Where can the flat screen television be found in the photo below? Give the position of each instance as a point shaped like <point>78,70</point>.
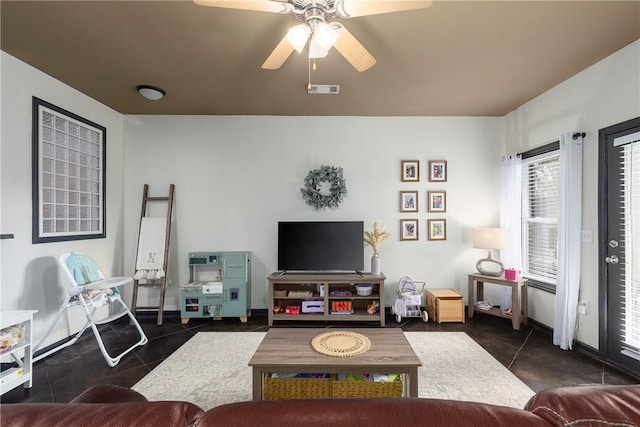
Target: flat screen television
<point>321,246</point>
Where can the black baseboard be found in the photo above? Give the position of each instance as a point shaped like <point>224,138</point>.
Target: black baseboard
<point>584,348</point>
<point>587,350</point>
<point>255,312</point>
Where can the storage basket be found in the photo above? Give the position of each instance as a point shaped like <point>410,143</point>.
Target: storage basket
<point>366,389</point>
<point>297,388</point>
<point>300,294</point>
<point>364,290</point>
<point>11,337</point>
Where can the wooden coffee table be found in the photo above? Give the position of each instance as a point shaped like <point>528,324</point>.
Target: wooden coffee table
<point>290,350</point>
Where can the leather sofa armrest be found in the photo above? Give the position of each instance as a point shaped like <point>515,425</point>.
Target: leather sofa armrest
<point>606,404</point>
<point>109,394</point>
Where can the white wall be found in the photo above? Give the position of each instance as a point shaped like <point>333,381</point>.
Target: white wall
<point>28,274</point>
<point>236,177</point>
<point>603,95</point>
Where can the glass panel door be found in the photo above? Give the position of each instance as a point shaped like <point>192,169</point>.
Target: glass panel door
<point>620,245</point>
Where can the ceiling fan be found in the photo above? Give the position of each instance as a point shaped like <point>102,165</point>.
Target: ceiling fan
<point>317,26</point>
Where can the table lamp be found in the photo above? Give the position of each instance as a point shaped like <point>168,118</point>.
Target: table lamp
<point>489,238</point>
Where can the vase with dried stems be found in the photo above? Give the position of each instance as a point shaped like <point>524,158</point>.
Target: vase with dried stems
<point>375,238</point>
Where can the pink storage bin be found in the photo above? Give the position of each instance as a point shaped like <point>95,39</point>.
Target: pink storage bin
<point>511,274</point>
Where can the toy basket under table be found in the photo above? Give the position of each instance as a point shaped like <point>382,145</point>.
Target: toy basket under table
<point>367,389</point>
<point>297,388</point>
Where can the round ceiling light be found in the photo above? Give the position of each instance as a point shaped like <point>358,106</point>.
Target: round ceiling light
<point>151,92</point>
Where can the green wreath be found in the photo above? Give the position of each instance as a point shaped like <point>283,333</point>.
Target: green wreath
<point>311,193</point>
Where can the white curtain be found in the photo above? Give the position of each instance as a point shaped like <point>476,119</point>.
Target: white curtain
<point>569,243</point>
<point>511,218</point>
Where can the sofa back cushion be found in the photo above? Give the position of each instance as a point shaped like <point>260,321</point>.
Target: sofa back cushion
<point>365,412</point>
<point>130,414</point>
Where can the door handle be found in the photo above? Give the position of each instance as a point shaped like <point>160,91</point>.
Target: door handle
<point>613,259</point>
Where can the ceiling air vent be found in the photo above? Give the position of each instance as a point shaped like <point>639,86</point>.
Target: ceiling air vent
<point>323,89</point>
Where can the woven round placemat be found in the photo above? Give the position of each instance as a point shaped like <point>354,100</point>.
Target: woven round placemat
<point>340,343</point>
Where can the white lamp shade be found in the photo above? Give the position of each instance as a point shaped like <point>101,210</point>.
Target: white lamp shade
<point>489,238</point>
<point>298,36</point>
<point>324,35</point>
<point>316,50</point>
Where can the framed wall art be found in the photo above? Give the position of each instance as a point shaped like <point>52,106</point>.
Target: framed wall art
<point>408,201</point>
<point>437,201</point>
<point>437,170</point>
<point>68,175</point>
<point>410,170</point>
<point>408,229</point>
<point>437,229</point>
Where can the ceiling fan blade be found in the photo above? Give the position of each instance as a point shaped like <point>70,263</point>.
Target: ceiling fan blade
<point>279,55</point>
<point>353,8</point>
<point>351,49</point>
<point>275,6</point>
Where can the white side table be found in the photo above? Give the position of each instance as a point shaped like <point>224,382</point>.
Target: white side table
<point>22,374</point>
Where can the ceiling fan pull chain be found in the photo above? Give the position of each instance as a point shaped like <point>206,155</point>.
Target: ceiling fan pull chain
<point>309,69</point>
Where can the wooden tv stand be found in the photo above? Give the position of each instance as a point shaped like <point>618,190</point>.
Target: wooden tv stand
<point>291,289</point>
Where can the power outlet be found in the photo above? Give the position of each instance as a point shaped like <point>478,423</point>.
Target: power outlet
<point>583,307</point>
<point>587,236</point>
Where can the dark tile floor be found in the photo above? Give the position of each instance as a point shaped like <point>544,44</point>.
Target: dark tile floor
<point>528,353</point>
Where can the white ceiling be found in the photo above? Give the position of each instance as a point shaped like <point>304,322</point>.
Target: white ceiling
<point>456,58</point>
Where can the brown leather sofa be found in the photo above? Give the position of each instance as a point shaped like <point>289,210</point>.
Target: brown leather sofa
<point>117,406</point>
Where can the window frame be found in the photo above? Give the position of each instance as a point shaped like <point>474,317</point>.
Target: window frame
<point>548,149</point>
<point>75,168</point>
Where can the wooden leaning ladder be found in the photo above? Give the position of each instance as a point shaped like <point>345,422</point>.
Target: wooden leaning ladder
<point>158,283</point>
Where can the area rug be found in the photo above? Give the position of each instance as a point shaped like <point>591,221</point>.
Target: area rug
<point>455,367</point>
<point>211,369</point>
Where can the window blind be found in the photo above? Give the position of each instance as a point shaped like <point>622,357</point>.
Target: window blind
<point>630,289</point>
<point>541,192</point>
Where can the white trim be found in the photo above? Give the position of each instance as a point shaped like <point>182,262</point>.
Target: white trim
<point>623,140</point>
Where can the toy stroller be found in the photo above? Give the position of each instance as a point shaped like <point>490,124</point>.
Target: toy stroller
<point>409,299</point>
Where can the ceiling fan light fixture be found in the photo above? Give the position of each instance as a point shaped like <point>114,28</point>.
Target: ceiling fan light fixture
<point>151,93</point>
<point>316,50</point>
<point>298,36</point>
<point>324,35</point>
